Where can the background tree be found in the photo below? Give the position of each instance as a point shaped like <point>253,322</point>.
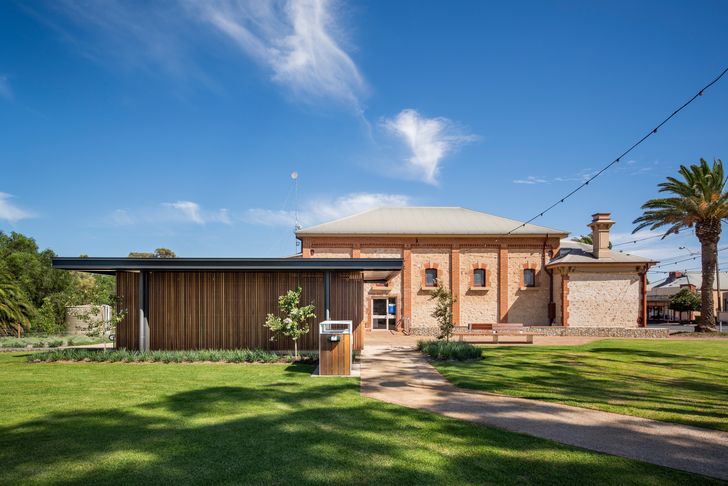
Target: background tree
<point>685,301</point>
<point>698,200</point>
<point>15,309</point>
<point>294,320</point>
<point>158,253</point>
<point>587,239</point>
<point>48,291</point>
<point>443,311</point>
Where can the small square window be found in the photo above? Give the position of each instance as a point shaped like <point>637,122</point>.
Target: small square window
<point>431,277</point>
<point>529,277</point>
<point>479,277</point>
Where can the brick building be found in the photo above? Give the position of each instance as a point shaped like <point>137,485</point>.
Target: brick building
<point>499,270</point>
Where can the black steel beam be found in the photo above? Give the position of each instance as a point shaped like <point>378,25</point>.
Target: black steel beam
<point>112,264</point>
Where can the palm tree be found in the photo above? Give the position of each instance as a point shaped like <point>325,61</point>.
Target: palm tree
<point>700,201</point>
<point>15,309</point>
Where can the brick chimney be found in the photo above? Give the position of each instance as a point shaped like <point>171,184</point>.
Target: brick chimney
<point>601,222</point>
<point>672,276</point>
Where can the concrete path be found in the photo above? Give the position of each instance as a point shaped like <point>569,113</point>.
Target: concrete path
<point>402,376</point>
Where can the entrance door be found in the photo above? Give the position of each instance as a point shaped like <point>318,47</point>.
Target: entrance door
<point>384,313</point>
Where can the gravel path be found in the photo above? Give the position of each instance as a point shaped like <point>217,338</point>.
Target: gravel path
<point>402,376</point>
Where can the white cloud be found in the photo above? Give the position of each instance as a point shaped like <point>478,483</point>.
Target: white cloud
<point>296,39</point>
<point>188,209</point>
<point>182,212</point>
<point>429,140</point>
<point>531,180</point>
<point>11,212</point>
<point>5,90</point>
<point>326,209</point>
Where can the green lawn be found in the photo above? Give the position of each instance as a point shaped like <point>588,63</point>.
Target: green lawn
<point>672,380</point>
<point>98,423</point>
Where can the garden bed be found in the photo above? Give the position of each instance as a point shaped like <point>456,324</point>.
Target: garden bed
<point>193,356</point>
<point>450,350</point>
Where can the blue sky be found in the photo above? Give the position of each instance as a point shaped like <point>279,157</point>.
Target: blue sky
<point>128,126</point>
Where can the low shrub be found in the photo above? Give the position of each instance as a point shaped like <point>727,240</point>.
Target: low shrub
<point>15,343</point>
<point>126,356</point>
<point>449,350</point>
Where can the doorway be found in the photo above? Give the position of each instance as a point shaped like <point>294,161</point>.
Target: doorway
<point>384,313</point>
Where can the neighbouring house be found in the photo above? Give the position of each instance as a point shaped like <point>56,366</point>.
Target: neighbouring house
<point>499,270</point>
<point>661,292</point>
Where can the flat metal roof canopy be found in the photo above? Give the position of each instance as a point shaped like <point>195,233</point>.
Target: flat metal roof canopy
<point>123,264</point>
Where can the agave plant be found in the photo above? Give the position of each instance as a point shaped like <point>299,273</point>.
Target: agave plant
<point>698,200</point>
<point>15,309</point>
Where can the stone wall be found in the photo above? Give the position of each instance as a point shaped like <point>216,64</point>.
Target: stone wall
<point>527,305</point>
<point>477,304</point>
<point>614,332</point>
<point>422,258</point>
<point>597,299</point>
<point>604,299</point>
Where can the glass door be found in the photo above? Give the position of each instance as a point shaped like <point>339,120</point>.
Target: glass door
<point>384,313</point>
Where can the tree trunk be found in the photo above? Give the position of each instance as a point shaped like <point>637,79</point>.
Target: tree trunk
<point>708,234</point>
<point>295,350</point>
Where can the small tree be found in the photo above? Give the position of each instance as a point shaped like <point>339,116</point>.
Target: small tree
<point>294,322</point>
<point>685,301</point>
<point>443,311</point>
<point>98,327</point>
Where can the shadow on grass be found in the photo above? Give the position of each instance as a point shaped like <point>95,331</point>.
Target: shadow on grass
<point>296,435</point>
<point>677,387</point>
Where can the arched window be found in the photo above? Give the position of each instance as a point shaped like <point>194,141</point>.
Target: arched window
<point>479,277</point>
<point>529,277</point>
<point>430,277</point>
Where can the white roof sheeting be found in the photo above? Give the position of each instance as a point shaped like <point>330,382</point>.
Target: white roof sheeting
<point>423,221</point>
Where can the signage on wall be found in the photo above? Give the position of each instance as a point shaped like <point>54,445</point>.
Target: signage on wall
<point>391,308</point>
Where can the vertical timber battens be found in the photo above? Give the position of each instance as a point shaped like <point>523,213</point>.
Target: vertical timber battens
<point>327,295</point>
<point>143,301</point>
<point>203,309</point>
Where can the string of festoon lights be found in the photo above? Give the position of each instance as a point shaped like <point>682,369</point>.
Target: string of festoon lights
<point>639,142</point>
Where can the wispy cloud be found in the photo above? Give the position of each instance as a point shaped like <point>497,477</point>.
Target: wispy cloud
<point>296,40</point>
<point>531,180</point>
<point>299,42</point>
<point>179,212</point>
<point>326,209</point>
<point>6,91</point>
<point>11,212</point>
<point>580,176</point>
<point>429,140</point>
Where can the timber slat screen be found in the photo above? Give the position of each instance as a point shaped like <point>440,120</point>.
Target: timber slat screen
<point>226,310</point>
<point>127,291</point>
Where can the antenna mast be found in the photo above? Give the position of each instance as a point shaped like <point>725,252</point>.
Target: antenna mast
<point>296,225</point>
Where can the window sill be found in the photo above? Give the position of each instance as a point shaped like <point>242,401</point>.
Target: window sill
<point>530,288</point>
<point>478,289</point>
<point>425,287</point>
